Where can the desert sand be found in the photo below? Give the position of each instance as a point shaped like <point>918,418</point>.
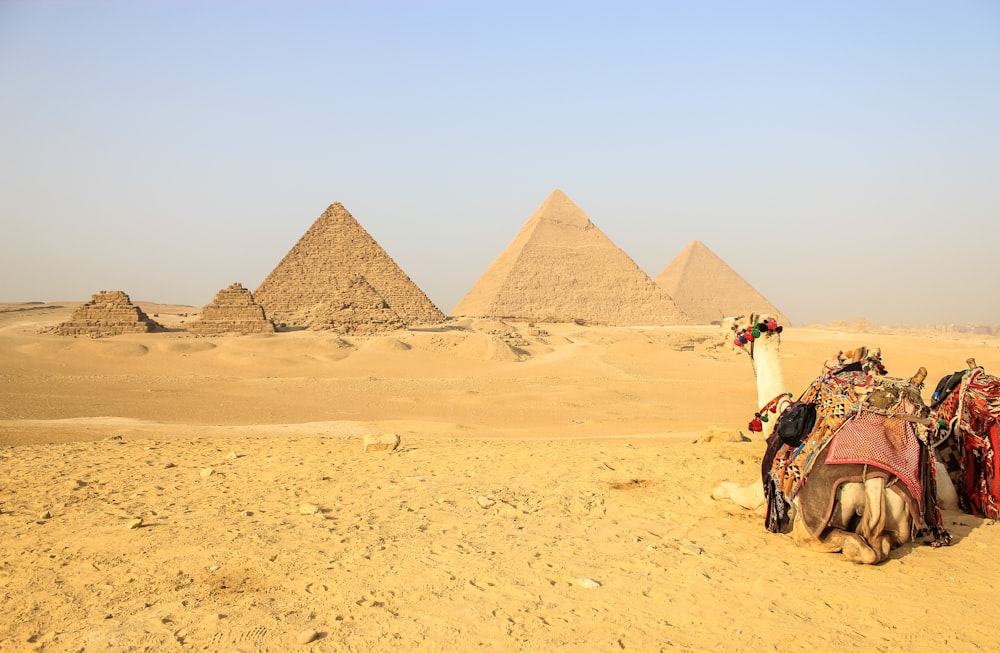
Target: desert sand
<point>551,492</point>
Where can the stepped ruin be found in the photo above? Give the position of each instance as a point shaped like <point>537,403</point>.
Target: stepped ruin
<point>338,278</point>
<point>108,313</point>
<point>233,310</point>
<point>708,290</point>
<point>562,268</point>
<point>359,310</point>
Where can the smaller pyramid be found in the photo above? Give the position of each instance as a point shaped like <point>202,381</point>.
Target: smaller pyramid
<point>233,310</point>
<point>359,310</point>
<point>562,268</point>
<point>337,277</point>
<point>108,313</point>
<point>708,290</point>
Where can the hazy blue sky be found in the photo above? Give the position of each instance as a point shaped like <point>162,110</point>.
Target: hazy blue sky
<point>843,157</point>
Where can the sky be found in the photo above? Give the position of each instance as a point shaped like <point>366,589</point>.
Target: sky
<point>843,157</point>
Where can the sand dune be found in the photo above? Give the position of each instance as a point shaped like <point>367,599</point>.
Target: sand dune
<point>550,494</point>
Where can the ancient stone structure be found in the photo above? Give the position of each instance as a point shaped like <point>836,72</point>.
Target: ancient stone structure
<point>708,290</point>
<point>562,268</point>
<point>233,310</point>
<point>358,310</point>
<point>337,277</point>
<point>108,313</point>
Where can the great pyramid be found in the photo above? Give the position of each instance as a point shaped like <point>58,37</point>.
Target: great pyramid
<point>708,290</point>
<point>562,268</point>
<point>108,313</point>
<point>233,310</point>
<point>337,277</point>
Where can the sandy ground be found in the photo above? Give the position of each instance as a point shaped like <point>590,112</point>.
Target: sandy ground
<point>550,493</point>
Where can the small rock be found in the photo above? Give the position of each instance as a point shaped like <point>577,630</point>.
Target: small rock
<point>308,509</point>
<point>306,636</point>
<point>588,583</point>
<point>687,548</point>
<point>206,472</point>
<point>381,442</point>
<point>485,502</point>
<point>74,484</point>
<point>232,455</point>
<point>718,434</point>
<point>134,523</point>
<point>169,465</point>
<point>45,514</point>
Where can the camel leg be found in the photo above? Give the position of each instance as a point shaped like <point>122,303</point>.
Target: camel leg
<point>873,520</point>
<point>834,540</point>
<point>947,496</point>
<point>849,505</point>
<point>750,496</point>
<point>898,522</point>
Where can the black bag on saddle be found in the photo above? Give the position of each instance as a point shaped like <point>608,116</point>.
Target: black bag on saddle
<point>945,387</point>
<point>796,422</point>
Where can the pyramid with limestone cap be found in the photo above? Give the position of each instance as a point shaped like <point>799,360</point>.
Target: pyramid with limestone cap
<point>708,290</point>
<point>320,281</point>
<point>562,268</point>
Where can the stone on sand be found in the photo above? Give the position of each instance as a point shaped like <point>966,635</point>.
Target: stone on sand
<point>381,441</point>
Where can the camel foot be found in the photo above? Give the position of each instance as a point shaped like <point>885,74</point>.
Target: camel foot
<point>750,496</point>
<point>855,550</point>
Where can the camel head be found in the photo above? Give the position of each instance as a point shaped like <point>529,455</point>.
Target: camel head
<point>748,332</point>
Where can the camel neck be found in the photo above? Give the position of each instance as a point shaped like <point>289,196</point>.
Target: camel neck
<point>767,370</point>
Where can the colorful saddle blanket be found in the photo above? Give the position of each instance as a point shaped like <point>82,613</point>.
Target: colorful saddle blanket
<point>970,416</point>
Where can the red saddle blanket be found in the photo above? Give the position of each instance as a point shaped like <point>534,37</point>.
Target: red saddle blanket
<point>972,450</point>
<point>889,444</point>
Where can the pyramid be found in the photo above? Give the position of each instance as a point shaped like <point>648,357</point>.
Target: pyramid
<point>233,310</point>
<point>108,313</point>
<point>562,268</point>
<point>359,310</point>
<point>707,289</point>
<point>337,277</point>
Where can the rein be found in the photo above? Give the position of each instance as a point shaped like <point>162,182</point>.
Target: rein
<point>772,405</point>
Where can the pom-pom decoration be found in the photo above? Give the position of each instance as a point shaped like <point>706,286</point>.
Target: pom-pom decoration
<point>751,333</point>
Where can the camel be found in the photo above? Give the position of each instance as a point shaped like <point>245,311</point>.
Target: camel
<point>850,504</point>
<point>967,407</point>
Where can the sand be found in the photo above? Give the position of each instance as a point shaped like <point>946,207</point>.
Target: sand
<point>551,492</point>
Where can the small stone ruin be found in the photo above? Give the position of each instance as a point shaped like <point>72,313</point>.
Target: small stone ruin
<point>356,310</point>
<point>232,311</point>
<point>108,313</point>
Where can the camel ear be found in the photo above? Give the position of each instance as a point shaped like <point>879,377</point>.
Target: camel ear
<point>971,363</point>
<point>919,377</point>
